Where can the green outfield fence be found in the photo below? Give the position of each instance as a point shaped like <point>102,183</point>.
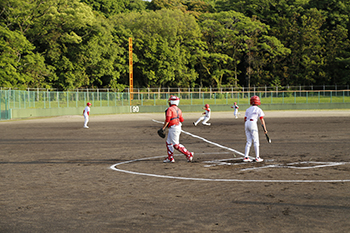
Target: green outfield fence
<point>75,101</point>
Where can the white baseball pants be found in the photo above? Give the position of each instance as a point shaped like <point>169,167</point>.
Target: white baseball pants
<point>236,113</point>
<point>252,134</point>
<point>204,119</point>
<point>86,121</point>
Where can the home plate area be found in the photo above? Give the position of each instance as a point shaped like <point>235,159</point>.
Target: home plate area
<point>269,164</point>
<point>281,171</point>
<point>216,166</point>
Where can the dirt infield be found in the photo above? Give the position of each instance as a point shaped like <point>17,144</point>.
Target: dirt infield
<point>58,177</point>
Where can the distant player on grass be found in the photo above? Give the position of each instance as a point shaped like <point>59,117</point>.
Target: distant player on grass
<point>86,114</point>
<point>235,106</point>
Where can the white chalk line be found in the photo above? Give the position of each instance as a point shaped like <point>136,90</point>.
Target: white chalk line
<point>288,165</point>
<point>213,143</point>
<point>113,167</point>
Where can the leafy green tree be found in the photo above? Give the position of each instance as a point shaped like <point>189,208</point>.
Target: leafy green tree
<point>312,29</point>
<point>76,42</point>
<point>335,32</point>
<point>194,7</point>
<point>72,44</point>
<point>112,7</point>
<point>312,50</point>
<point>167,4</point>
<point>335,12</point>
<point>163,44</point>
<point>198,7</point>
<point>223,46</point>
<point>137,5</point>
<point>231,39</point>
<point>300,31</point>
<point>337,61</point>
<point>107,7</point>
<point>21,66</point>
<point>62,44</point>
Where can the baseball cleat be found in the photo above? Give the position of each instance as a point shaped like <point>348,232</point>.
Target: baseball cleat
<point>258,159</point>
<point>86,127</point>
<point>190,157</point>
<point>194,123</point>
<point>247,159</point>
<point>167,160</point>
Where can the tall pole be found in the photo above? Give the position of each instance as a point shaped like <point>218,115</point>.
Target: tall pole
<point>131,79</point>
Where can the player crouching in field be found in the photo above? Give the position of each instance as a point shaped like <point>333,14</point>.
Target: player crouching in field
<point>206,116</point>
<point>86,114</point>
<point>173,120</point>
<point>251,117</point>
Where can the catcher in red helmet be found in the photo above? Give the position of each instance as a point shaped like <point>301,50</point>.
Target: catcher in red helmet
<point>86,114</point>
<point>252,115</point>
<point>204,118</point>
<point>173,120</point>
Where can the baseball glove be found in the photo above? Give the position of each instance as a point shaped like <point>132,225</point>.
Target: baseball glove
<point>161,133</point>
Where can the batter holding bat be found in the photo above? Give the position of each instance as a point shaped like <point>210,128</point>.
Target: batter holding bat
<point>251,117</point>
<point>173,120</point>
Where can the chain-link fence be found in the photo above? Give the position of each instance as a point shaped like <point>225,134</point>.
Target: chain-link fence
<point>267,97</point>
<point>16,99</point>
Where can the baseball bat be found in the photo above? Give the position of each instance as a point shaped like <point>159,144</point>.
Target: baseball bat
<point>267,136</point>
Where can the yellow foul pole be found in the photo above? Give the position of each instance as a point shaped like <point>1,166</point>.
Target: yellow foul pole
<point>131,78</point>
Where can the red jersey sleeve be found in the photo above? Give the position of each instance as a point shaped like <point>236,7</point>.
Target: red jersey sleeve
<point>180,116</point>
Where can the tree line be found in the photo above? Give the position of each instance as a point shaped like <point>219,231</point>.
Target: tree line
<point>70,44</point>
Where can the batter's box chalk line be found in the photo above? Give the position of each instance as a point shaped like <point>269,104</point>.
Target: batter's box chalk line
<point>296,165</point>
<point>299,165</point>
<point>115,168</point>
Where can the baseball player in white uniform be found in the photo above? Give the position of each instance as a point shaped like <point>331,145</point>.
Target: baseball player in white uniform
<point>235,106</point>
<point>86,114</point>
<point>204,118</point>
<point>251,117</point>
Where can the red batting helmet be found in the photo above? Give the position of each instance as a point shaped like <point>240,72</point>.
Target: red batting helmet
<point>174,100</point>
<point>255,100</point>
<point>206,106</point>
<point>88,104</point>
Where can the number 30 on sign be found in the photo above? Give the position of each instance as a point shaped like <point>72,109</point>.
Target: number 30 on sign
<point>134,109</point>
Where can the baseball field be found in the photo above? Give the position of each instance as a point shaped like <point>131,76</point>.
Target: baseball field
<point>57,176</point>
